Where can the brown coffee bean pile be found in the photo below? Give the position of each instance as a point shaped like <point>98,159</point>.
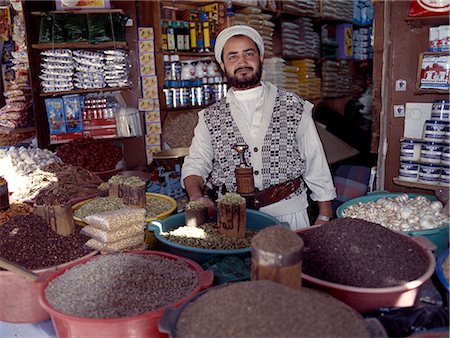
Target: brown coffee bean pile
<point>364,254</point>
<point>268,309</point>
<point>28,241</point>
<point>207,236</point>
<point>121,285</point>
<point>14,209</point>
<point>54,198</point>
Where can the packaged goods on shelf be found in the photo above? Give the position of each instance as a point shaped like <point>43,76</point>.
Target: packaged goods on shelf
<point>435,73</point>
<point>362,43</point>
<point>65,70</point>
<point>301,7</point>
<point>338,10</point>
<point>299,39</point>
<point>309,82</point>
<point>273,71</point>
<point>439,39</point>
<point>336,80</point>
<point>363,12</point>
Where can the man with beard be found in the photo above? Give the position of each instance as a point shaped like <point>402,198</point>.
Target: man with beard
<point>284,148</point>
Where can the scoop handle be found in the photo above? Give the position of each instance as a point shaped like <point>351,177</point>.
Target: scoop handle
<point>7,265</point>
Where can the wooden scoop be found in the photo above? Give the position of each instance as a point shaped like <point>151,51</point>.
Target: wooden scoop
<point>20,270</point>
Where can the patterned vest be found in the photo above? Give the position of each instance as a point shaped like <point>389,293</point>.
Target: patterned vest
<point>281,160</point>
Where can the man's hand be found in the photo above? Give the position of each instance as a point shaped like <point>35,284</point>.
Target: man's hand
<point>208,203</point>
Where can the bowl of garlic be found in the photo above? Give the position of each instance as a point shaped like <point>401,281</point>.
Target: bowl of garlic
<point>410,214</point>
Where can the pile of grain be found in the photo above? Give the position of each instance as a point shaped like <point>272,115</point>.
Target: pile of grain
<point>364,254</point>
<point>268,309</point>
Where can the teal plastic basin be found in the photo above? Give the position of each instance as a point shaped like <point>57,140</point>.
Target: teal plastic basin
<point>439,236</point>
<point>440,268</point>
<point>255,220</point>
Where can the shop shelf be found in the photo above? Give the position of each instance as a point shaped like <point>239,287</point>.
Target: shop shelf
<point>83,91</point>
<point>81,45</point>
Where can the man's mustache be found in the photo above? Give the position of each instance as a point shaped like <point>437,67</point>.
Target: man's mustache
<point>243,68</point>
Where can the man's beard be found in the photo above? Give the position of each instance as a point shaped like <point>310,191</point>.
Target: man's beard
<point>247,82</point>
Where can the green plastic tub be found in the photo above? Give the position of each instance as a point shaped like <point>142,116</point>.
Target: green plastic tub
<point>439,236</point>
<point>255,220</point>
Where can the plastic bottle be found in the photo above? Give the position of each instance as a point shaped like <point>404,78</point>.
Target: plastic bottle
<point>167,68</point>
<point>164,35</point>
<point>230,12</point>
<point>199,31</point>
<point>193,36</point>
<point>170,36</point>
<point>206,32</point>
<point>179,36</point>
<point>186,36</point>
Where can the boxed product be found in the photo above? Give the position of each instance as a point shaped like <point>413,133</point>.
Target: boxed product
<point>55,115</point>
<point>72,113</point>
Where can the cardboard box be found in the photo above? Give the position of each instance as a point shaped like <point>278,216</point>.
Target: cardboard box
<point>101,133</point>
<point>65,137</point>
<point>99,124</point>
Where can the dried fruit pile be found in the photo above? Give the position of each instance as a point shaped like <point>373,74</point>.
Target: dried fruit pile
<point>94,155</point>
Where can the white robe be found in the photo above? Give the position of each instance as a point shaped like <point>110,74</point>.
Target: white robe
<point>250,109</point>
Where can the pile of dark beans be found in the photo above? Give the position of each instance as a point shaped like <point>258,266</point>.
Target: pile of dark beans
<point>358,253</point>
<point>28,240</point>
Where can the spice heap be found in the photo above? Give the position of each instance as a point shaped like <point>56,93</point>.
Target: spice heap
<point>116,230</point>
<point>207,236</point>
<point>268,309</point>
<point>359,253</point>
<point>28,241</point>
<point>13,210</point>
<point>121,285</point>
<point>60,178</point>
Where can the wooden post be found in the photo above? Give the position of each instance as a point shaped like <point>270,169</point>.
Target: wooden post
<point>59,217</point>
<point>133,195</point>
<point>277,256</point>
<point>113,190</point>
<point>195,216</point>
<point>232,218</point>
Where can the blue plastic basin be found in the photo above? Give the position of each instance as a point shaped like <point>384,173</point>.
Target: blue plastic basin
<point>439,236</point>
<point>439,268</point>
<point>255,220</point>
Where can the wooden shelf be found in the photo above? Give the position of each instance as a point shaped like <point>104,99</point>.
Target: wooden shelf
<point>83,91</point>
<point>6,130</point>
<point>419,21</point>
<point>182,109</point>
<point>196,54</point>
<point>418,185</point>
<point>431,91</point>
<point>81,45</point>
<point>82,11</point>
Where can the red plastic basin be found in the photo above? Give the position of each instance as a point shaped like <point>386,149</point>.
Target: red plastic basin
<point>143,325</point>
<point>19,296</point>
<point>367,299</point>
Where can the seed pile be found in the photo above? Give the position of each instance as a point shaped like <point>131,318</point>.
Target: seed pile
<point>268,309</point>
<point>15,209</point>
<point>124,180</point>
<point>120,285</point>
<point>98,205</point>
<point>28,241</point>
<point>364,254</point>
<point>206,236</point>
<point>277,239</point>
<point>156,206</point>
<point>56,198</point>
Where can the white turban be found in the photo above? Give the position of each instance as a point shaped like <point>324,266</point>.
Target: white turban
<point>229,32</point>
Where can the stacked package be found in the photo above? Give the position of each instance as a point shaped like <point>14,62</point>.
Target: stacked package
<point>116,230</point>
<point>299,39</point>
<point>15,114</point>
<point>57,68</point>
<point>336,80</point>
<point>64,70</point>
<point>363,12</point>
<point>273,71</point>
<point>253,17</point>
<point>291,80</point>
<point>301,7</point>
<point>88,69</point>
<point>116,68</point>
<point>309,86</point>
<point>337,10</point>
<point>362,43</point>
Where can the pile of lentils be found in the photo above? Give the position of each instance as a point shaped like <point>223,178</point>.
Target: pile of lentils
<point>121,285</point>
<point>359,253</point>
<point>28,240</point>
<point>207,236</point>
<point>268,309</point>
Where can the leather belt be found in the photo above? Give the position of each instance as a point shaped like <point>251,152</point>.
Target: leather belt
<point>273,194</point>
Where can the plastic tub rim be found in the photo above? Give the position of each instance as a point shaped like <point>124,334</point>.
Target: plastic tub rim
<point>155,228</point>
<point>439,264</point>
<point>54,312</point>
<point>162,215</point>
<point>411,285</point>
